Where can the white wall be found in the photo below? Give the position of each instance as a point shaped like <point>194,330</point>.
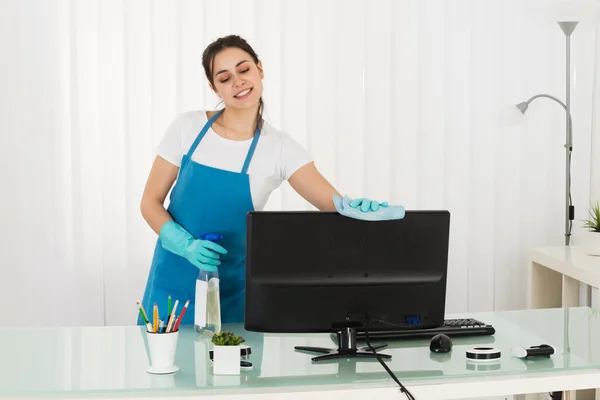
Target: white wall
<point>595,147</point>
<point>410,101</point>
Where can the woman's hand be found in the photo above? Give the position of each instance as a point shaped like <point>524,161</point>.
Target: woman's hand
<point>367,205</point>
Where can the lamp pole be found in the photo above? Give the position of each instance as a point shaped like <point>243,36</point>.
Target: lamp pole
<point>567,27</point>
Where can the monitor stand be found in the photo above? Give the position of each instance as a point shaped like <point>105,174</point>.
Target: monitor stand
<point>346,338</point>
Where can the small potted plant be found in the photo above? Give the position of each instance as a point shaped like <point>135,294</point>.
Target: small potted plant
<point>226,353</point>
<point>592,223</point>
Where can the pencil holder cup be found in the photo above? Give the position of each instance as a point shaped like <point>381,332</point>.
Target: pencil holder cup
<point>162,381</point>
<point>162,347</point>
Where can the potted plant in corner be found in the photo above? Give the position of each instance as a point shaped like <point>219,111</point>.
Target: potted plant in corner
<point>592,242</point>
<point>226,353</point>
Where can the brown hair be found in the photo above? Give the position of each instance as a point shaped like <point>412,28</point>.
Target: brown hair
<point>208,58</point>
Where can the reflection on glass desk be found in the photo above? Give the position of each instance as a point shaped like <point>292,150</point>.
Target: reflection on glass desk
<point>114,359</point>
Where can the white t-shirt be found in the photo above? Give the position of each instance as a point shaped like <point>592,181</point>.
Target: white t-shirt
<point>276,157</point>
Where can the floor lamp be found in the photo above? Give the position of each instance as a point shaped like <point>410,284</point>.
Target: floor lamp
<point>567,27</point>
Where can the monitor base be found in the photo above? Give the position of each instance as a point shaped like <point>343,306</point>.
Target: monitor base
<point>346,348</point>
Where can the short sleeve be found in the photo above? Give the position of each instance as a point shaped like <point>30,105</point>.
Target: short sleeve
<point>170,147</point>
<point>293,157</point>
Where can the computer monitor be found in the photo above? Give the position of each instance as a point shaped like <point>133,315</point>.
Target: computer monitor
<point>313,271</point>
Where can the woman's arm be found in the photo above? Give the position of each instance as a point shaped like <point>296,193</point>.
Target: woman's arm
<point>161,178</point>
<point>308,182</point>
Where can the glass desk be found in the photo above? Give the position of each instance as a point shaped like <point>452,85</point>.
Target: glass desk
<point>112,361</point>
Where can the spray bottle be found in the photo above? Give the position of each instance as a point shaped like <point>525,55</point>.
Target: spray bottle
<point>207,316</point>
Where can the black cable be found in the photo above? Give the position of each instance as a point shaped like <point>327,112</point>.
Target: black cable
<point>389,371</point>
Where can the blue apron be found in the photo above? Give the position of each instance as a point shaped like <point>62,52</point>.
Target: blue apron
<point>205,200</point>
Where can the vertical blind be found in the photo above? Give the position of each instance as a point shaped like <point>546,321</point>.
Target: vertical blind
<point>408,101</point>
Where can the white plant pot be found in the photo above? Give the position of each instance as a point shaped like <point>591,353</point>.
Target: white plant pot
<point>226,360</point>
<point>592,243</point>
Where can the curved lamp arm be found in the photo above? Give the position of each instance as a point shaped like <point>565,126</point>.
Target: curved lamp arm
<point>549,97</point>
<point>524,105</point>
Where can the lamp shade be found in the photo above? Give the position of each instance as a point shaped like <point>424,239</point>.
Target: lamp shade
<point>523,106</point>
<point>567,27</point>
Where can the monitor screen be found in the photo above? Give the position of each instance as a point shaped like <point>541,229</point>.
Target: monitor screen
<point>313,271</point>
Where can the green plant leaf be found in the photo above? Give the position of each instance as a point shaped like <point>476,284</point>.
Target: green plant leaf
<point>593,221</point>
<point>227,338</point>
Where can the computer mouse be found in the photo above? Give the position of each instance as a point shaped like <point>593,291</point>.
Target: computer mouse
<point>440,343</point>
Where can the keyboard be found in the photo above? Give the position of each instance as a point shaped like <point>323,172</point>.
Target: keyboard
<point>452,328</point>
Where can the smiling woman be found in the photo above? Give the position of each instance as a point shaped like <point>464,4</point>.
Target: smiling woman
<point>226,163</point>
<point>237,80</point>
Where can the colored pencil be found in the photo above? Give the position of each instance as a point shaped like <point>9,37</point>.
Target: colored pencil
<point>171,318</point>
<point>143,312</point>
<point>155,324</point>
<point>181,316</point>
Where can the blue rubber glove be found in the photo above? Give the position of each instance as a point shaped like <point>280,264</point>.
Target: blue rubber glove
<point>203,254</point>
<point>384,212</point>
<point>367,205</point>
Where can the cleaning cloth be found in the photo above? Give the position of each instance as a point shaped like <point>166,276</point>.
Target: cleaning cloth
<point>342,205</point>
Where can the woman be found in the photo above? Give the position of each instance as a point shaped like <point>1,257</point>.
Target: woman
<point>226,164</point>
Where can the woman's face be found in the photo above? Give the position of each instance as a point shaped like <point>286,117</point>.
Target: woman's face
<point>237,80</point>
